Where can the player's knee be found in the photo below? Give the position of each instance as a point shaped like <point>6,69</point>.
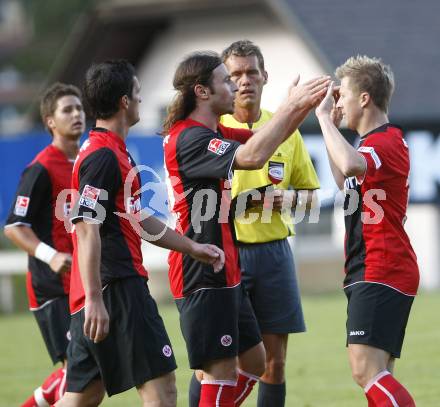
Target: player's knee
<point>259,370</point>
<point>360,376</point>
<point>275,370</point>
<point>95,399</point>
<point>91,399</point>
<point>170,396</point>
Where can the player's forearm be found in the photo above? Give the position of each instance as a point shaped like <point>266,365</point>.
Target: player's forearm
<point>344,157</point>
<point>23,237</point>
<point>89,258</point>
<point>259,148</point>
<point>163,236</point>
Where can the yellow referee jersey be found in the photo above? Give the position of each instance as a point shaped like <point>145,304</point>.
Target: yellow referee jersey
<point>290,165</point>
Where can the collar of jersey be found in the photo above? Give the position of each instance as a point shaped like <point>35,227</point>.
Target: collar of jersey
<point>380,129</point>
<point>108,135</point>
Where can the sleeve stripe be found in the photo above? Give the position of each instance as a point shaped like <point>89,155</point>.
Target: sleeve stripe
<point>231,167</point>
<point>93,220</point>
<point>374,156</point>
<point>18,224</point>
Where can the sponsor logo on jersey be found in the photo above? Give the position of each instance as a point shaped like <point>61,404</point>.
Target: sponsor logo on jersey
<point>89,196</point>
<point>67,207</point>
<point>133,205</point>
<point>218,146</point>
<point>357,333</point>
<point>276,172</point>
<point>226,340</point>
<point>22,205</point>
<point>167,351</point>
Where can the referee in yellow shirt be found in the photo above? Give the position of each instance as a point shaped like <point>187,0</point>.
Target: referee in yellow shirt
<point>265,255</point>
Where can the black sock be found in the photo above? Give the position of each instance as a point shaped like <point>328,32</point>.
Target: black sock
<point>271,395</point>
<point>194,391</point>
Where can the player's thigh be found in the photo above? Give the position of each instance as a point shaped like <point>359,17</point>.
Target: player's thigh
<point>367,361</point>
<point>91,396</point>
<point>221,369</point>
<point>276,346</point>
<point>253,360</point>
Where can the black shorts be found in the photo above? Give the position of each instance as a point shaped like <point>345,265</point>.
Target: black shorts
<point>53,318</point>
<point>216,324</point>
<point>136,350</point>
<point>377,316</point>
<point>269,277</point>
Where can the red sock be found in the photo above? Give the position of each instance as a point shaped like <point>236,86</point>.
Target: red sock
<point>245,384</point>
<point>385,391</point>
<point>217,393</point>
<point>50,391</point>
<point>30,402</point>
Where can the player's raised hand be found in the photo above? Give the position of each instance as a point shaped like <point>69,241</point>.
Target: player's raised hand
<point>327,104</point>
<point>307,95</point>
<point>96,319</point>
<point>61,262</point>
<point>336,113</point>
<point>210,254</point>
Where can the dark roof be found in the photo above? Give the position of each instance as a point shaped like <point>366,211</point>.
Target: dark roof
<point>124,29</point>
<point>404,33</point>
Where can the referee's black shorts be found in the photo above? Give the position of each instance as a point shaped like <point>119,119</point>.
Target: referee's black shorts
<point>377,316</point>
<point>217,323</point>
<point>136,350</point>
<point>53,319</point>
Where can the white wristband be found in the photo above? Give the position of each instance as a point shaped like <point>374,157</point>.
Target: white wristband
<point>44,252</point>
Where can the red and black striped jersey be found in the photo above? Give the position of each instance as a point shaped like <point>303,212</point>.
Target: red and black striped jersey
<point>377,247</point>
<point>34,206</point>
<point>198,163</point>
<point>106,192</point>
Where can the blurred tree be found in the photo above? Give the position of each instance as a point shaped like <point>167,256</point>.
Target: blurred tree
<point>52,22</point>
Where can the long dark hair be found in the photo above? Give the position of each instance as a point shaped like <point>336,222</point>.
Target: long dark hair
<point>195,69</point>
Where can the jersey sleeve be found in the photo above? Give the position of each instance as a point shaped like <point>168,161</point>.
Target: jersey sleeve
<point>303,174</point>
<point>201,153</point>
<point>240,135</point>
<point>99,179</point>
<point>33,192</point>
<point>374,152</point>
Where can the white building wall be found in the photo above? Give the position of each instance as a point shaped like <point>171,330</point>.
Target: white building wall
<point>285,55</point>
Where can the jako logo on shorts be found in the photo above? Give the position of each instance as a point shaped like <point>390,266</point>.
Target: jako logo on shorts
<point>357,333</point>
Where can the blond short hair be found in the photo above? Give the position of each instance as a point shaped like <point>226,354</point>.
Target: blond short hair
<point>369,75</point>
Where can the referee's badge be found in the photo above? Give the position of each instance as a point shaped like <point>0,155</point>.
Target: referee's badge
<point>276,172</point>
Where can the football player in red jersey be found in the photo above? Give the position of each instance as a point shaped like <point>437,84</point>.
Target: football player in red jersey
<point>118,339</point>
<point>35,228</point>
<point>216,316</point>
<point>381,268</point>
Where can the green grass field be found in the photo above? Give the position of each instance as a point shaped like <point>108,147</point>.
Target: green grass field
<point>317,367</point>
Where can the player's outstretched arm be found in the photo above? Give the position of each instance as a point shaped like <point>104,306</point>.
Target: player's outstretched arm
<point>96,323</point>
<point>161,235</point>
<point>301,99</point>
<point>26,239</point>
<point>343,156</point>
